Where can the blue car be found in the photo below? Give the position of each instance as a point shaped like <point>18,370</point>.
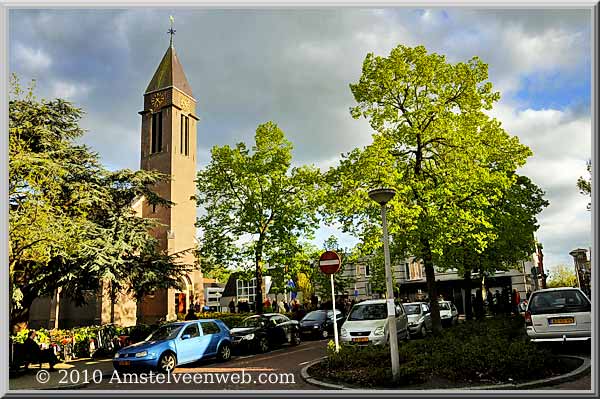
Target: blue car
<point>177,343</point>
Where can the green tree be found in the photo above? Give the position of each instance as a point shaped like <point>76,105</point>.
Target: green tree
<point>513,222</point>
<point>435,144</point>
<point>562,276</point>
<point>585,185</point>
<point>256,197</point>
<point>70,221</point>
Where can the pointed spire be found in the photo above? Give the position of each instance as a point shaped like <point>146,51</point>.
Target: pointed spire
<point>170,72</point>
<point>171,31</point>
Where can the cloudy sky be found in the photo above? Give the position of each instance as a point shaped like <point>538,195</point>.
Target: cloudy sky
<point>294,66</point>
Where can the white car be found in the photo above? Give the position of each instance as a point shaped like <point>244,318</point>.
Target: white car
<point>419,318</point>
<point>366,324</point>
<point>559,314</point>
<point>448,313</point>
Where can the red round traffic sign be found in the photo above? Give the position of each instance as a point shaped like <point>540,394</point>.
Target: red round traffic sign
<point>329,262</point>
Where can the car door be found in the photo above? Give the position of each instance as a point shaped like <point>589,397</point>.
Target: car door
<point>285,327</point>
<point>190,344</point>
<point>427,315</point>
<point>275,331</point>
<point>212,333</point>
<point>401,320</point>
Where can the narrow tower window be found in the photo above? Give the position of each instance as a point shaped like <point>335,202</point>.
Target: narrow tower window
<point>156,145</point>
<point>185,135</point>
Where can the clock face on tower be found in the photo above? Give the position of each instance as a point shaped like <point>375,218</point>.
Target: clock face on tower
<point>157,100</point>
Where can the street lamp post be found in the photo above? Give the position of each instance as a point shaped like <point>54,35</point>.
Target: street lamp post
<point>382,196</point>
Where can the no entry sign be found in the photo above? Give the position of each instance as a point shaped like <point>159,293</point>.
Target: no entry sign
<point>329,262</point>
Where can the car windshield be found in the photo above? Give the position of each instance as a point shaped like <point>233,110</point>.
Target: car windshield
<point>444,306</point>
<point>558,301</point>
<point>169,331</point>
<point>374,311</point>
<point>315,316</point>
<point>412,309</point>
<point>253,321</point>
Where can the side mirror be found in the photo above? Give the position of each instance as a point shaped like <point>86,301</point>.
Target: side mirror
<point>186,336</point>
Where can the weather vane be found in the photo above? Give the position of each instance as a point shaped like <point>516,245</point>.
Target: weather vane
<point>171,31</point>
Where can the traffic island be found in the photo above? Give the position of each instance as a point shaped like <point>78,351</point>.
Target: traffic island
<point>489,354</point>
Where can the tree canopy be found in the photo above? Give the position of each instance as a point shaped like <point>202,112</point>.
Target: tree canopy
<point>255,204</point>
<point>562,276</point>
<point>71,224</point>
<point>436,146</point>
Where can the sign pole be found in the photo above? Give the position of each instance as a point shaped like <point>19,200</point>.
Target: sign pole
<point>335,330</point>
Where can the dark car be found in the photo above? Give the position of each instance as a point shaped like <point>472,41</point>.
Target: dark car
<point>319,323</point>
<point>263,332</point>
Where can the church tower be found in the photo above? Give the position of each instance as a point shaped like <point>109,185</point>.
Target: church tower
<point>168,145</point>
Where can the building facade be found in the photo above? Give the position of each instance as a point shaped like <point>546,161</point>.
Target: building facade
<point>411,285</point>
<point>168,145</point>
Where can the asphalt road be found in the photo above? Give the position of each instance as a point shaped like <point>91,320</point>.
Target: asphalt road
<point>280,370</point>
<point>275,370</point>
<point>582,349</point>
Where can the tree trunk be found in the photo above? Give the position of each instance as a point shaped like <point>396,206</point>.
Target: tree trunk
<point>258,302</point>
<point>468,302</point>
<point>436,321</point>
<point>112,303</point>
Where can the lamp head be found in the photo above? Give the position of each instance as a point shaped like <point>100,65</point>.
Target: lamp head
<point>382,195</point>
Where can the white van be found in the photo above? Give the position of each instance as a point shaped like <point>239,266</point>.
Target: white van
<point>366,324</point>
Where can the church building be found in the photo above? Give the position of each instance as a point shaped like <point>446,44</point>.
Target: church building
<point>168,145</point>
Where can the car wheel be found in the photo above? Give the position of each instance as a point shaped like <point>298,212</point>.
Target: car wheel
<point>263,345</point>
<point>423,331</point>
<point>224,352</point>
<point>167,362</point>
<point>295,338</point>
<point>324,333</point>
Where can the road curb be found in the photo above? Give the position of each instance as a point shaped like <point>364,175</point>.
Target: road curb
<point>572,375</point>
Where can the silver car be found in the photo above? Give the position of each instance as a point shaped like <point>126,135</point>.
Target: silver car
<point>559,314</point>
<point>419,318</point>
<point>366,324</point>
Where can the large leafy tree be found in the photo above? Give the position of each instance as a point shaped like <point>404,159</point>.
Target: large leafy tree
<point>256,205</point>
<point>513,222</point>
<point>70,221</point>
<point>435,144</point>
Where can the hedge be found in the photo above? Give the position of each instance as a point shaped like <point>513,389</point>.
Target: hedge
<point>475,352</point>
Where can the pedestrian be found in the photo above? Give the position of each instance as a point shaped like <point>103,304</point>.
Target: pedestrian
<point>191,315</point>
<point>528,294</point>
<point>32,351</point>
<point>496,302</point>
<point>516,300</point>
<point>267,305</point>
<point>505,303</point>
<point>231,306</point>
<point>281,307</point>
<point>479,304</point>
<point>286,306</point>
<point>197,306</point>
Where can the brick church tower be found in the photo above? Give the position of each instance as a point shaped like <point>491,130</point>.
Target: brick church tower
<point>168,145</point>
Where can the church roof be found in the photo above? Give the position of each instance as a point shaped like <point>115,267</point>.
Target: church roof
<point>170,73</point>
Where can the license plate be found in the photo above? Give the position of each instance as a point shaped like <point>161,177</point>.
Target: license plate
<point>125,363</point>
<point>562,320</point>
<point>361,339</point>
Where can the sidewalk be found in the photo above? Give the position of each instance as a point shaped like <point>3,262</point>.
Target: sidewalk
<point>66,375</point>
